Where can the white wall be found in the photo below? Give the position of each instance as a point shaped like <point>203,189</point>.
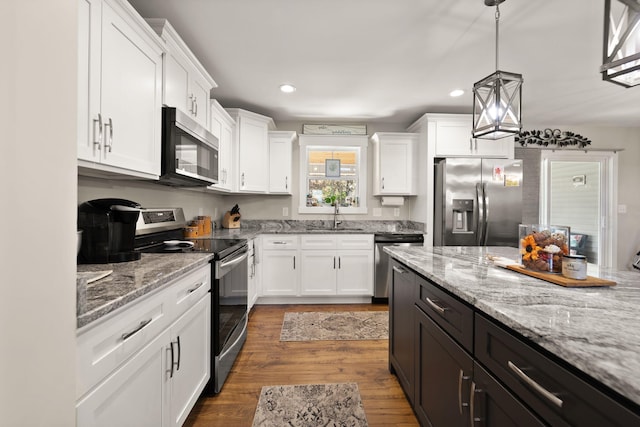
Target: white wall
<point>38,41</point>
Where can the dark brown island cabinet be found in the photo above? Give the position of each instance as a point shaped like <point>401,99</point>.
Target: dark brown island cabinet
<point>461,368</point>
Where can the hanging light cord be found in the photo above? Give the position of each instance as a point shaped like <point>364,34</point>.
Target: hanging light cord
<point>497,31</point>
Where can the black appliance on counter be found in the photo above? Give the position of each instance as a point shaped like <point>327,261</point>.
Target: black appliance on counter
<point>161,231</point>
<point>108,231</point>
<point>189,151</point>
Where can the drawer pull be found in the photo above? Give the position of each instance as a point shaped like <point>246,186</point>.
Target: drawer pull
<point>472,404</point>
<point>195,288</point>
<point>399,270</point>
<point>462,377</point>
<point>435,306</point>
<point>537,387</point>
<point>136,330</point>
<point>279,242</point>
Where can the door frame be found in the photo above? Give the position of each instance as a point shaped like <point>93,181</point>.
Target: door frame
<point>608,160</point>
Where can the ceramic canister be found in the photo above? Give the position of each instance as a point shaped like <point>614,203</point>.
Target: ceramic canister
<point>574,267</point>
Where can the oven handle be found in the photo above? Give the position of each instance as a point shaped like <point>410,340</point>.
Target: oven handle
<point>244,327</point>
<point>234,261</point>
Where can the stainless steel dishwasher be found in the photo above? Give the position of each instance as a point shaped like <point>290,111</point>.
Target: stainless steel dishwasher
<point>381,270</point>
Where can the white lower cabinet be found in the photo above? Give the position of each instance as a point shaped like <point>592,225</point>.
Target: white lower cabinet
<point>151,373</point>
<point>337,264</point>
<point>191,342</point>
<point>133,396</point>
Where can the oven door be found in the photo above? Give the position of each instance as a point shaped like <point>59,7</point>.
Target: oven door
<point>230,297</point>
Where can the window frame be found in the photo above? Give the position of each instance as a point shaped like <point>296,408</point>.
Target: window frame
<point>330,142</point>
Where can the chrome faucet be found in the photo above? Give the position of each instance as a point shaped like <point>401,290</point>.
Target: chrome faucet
<point>335,216</point>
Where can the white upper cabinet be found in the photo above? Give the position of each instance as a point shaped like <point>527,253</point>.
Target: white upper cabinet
<point>452,134</point>
<point>251,148</point>
<point>222,126</point>
<point>119,91</point>
<point>280,161</point>
<point>187,85</point>
<point>395,163</point>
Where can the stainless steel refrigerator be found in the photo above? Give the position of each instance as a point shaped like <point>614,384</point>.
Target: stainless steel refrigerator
<point>478,202</point>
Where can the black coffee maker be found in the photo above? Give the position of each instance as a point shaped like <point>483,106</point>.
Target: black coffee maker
<point>109,229</point>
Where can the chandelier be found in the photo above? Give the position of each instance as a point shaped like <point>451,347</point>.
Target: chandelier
<point>621,52</point>
<point>497,98</point>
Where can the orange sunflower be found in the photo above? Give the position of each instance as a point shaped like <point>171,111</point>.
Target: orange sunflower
<point>529,249</point>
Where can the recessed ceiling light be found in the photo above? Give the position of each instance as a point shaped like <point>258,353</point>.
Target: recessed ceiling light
<point>456,92</point>
<point>287,88</point>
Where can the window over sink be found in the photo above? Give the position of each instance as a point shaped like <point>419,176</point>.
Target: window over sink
<point>333,170</point>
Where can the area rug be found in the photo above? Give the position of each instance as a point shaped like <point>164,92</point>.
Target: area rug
<point>345,325</point>
<point>310,405</point>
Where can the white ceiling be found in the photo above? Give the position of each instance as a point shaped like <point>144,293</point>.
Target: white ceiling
<point>392,61</point>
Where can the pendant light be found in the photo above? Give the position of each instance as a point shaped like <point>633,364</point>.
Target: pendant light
<point>497,99</point>
<point>621,52</point>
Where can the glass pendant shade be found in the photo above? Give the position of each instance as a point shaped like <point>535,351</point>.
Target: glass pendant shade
<point>497,105</point>
<point>621,53</point>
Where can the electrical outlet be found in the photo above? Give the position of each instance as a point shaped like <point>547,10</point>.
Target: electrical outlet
<point>377,211</point>
<point>396,212</point>
<point>622,209</point>
<point>285,211</point>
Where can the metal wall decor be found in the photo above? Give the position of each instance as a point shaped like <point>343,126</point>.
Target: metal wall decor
<point>621,52</point>
<point>548,137</point>
<point>497,99</point>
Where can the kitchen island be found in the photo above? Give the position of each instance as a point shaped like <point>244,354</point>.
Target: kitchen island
<point>592,332</point>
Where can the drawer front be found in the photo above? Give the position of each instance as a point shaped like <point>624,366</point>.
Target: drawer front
<point>557,395</point>
<point>355,241</point>
<point>447,311</point>
<point>108,344</point>
<point>190,289</point>
<point>318,241</point>
<point>280,241</point>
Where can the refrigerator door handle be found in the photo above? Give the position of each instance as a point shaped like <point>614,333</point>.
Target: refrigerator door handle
<point>485,205</point>
<point>479,214</point>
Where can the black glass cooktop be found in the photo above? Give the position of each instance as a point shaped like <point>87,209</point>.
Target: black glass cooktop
<point>170,243</point>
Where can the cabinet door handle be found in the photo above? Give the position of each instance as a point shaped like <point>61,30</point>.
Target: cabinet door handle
<point>472,404</point>
<point>339,263</point>
<point>242,180</point>
<point>172,360</point>
<point>179,353</point>
<point>534,385</point>
<point>383,183</point>
<point>136,330</point>
<point>461,378</point>
<point>294,262</point>
<point>286,182</point>
<point>399,270</point>
<point>195,106</point>
<point>110,144</point>
<point>334,263</point>
<point>435,306</point>
<point>97,141</point>
<point>470,144</point>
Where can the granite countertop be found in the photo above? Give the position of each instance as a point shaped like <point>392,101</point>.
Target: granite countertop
<point>252,228</point>
<point>129,281</point>
<point>597,330</point>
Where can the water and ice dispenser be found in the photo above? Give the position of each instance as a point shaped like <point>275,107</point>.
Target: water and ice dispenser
<point>462,211</point>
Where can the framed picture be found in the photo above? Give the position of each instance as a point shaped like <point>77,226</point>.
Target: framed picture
<point>332,168</point>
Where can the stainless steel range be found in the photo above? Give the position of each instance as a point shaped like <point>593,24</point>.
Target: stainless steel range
<point>159,230</point>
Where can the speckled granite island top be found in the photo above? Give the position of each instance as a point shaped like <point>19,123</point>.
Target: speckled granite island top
<point>129,281</point>
<point>597,330</point>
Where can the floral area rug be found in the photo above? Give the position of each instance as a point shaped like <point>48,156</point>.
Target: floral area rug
<point>346,325</point>
<point>310,405</point>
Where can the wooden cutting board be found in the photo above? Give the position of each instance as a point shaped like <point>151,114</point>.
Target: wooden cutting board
<point>559,279</point>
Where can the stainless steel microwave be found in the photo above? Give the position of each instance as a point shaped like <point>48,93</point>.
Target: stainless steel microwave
<point>189,151</point>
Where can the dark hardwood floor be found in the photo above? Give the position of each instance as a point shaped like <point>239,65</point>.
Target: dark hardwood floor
<point>265,360</point>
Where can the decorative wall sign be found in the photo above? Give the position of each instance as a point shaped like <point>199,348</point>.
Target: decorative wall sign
<point>551,137</point>
<point>334,129</point>
<point>332,168</point>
